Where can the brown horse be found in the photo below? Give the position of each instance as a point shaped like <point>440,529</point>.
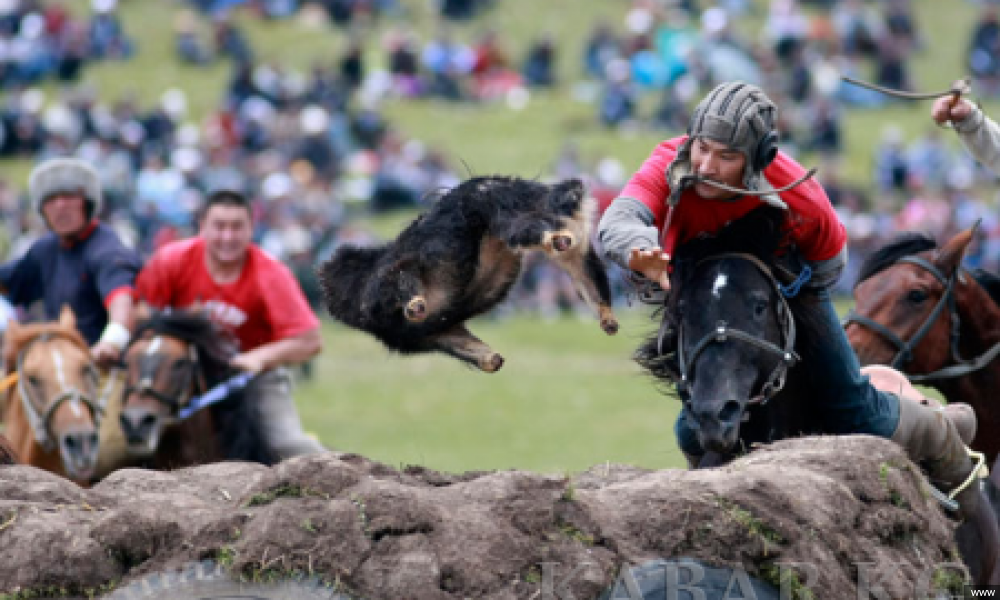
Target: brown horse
<point>920,312</point>
<point>174,357</point>
<point>52,415</point>
<point>7,455</point>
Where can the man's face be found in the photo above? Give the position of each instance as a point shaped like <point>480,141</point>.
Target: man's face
<point>718,162</point>
<point>65,213</point>
<point>227,232</point>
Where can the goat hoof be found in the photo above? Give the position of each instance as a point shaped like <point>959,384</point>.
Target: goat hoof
<point>562,242</point>
<point>610,326</point>
<point>415,310</point>
<point>492,363</point>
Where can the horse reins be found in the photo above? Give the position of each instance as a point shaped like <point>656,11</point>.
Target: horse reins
<point>905,349</point>
<point>723,333</point>
<point>40,422</point>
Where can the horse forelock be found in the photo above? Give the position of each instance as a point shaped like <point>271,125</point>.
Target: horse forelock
<point>905,244</point>
<point>214,344</point>
<point>15,341</point>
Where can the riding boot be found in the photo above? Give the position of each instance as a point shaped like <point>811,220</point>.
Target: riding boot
<point>964,418</point>
<point>932,440</point>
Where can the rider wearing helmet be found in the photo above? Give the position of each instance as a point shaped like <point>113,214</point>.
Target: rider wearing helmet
<point>732,140</point>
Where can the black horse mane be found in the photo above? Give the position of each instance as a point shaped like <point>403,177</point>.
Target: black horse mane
<point>215,345</point>
<point>905,244</point>
<point>759,233</point>
<point>237,420</point>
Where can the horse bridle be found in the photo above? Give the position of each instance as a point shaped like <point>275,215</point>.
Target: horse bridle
<point>179,395</point>
<point>723,333</point>
<point>41,422</point>
<point>905,349</point>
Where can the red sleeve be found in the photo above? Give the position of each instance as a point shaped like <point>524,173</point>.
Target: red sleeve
<point>822,235</point>
<point>649,184</point>
<point>152,285</point>
<point>287,309</point>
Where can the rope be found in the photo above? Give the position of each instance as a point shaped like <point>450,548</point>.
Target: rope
<point>959,88</point>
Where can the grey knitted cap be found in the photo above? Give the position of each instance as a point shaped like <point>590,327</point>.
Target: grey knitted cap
<point>65,175</point>
<point>739,115</point>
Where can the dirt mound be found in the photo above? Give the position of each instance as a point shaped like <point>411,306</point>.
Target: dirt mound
<point>836,503</point>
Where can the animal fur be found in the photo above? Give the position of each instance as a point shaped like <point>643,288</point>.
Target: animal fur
<point>459,260</point>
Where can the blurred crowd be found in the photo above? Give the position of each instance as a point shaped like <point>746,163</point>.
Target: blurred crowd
<point>314,149</point>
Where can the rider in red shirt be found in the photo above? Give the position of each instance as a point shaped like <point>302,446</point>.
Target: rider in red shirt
<point>732,141</point>
<point>249,292</point>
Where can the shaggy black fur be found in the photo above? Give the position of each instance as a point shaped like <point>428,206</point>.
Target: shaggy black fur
<point>905,244</point>
<point>236,419</point>
<point>459,260</point>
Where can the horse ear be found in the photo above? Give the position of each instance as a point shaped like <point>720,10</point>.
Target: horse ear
<point>67,318</point>
<point>949,257</point>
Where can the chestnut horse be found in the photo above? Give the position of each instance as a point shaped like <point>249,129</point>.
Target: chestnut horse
<point>52,413</point>
<point>175,358</point>
<point>919,311</point>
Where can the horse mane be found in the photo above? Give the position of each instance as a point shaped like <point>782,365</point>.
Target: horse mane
<point>238,420</point>
<point>759,233</point>
<point>905,244</point>
<point>215,345</point>
<point>7,455</point>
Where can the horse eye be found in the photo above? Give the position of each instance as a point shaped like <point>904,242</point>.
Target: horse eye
<point>759,308</point>
<point>34,381</point>
<point>916,296</point>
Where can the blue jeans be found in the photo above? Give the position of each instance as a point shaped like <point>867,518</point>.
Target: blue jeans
<point>847,402</point>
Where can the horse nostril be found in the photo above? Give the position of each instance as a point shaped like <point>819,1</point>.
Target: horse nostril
<point>730,411</point>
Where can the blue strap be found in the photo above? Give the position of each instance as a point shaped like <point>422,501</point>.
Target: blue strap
<point>215,395</point>
<point>792,289</point>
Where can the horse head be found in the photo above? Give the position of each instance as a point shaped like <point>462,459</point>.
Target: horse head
<point>735,345</point>
<point>906,304</point>
<point>166,366</point>
<point>727,338</point>
<point>57,390</point>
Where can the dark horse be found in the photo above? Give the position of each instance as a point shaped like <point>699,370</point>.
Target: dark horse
<point>173,357</point>
<point>920,312</point>
<point>728,342</point>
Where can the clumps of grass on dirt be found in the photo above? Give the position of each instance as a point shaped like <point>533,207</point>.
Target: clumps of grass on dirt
<point>754,525</point>
<point>284,491</point>
<point>785,578</point>
<point>56,591</point>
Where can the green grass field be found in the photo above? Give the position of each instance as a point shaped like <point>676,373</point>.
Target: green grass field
<point>568,397</point>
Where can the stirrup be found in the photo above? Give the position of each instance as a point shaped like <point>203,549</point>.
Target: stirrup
<point>980,471</point>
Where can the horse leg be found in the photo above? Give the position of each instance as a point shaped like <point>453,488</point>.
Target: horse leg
<point>461,344</point>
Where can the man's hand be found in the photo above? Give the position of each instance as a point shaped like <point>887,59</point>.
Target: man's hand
<point>652,264</point>
<point>947,109</point>
<point>251,362</point>
<point>105,354</point>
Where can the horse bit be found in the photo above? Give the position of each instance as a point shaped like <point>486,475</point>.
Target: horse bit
<point>904,352</point>
<point>40,422</point>
<point>723,333</point>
